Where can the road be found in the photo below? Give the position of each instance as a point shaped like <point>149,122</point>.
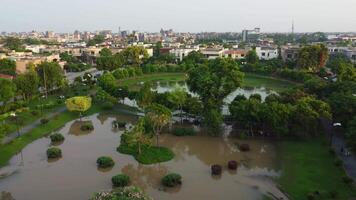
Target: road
<point>72,75</point>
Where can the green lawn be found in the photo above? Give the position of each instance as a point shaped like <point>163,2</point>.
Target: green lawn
<point>254,80</point>
<point>250,80</point>
<point>153,77</point>
<point>8,150</point>
<point>308,166</point>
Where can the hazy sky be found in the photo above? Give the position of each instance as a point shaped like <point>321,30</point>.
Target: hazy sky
<point>181,15</point>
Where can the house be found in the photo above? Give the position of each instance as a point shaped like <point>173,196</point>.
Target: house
<point>289,53</point>
<point>212,53</point>
<point>266,53</point>
<point>180,53</point>
<point>235,53</point>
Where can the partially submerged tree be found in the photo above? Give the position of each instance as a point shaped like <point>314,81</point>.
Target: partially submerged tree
<point>178,97</point>
<point>78,104</point>
<point>159,116</point>
<point>138,136</point>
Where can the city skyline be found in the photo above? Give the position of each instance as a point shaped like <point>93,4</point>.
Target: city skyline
<point>187,16</point>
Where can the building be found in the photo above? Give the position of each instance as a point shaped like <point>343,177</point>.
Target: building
<point>246,33</point>
<point>289,53</point>
<point>180,53</point>
<point>235,53</point>
<point>349,52</point>
<point>212,53</point>
<point>266,53</point>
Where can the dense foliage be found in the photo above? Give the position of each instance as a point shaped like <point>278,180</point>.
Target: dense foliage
<point>126,193</point>
<point>105,162</point>
<point>120,180</point>
<point>171,180</point>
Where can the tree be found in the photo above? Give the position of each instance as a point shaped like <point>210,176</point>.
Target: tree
<point>108,61</point>
<point>307,113</point>
<point>7,90</point>
<point>251,57</point>
<point>27,84</point>
<point>145,96</point>
<point>107,82</point>
<point>78,104</point>
<point>346,72</point>
<point>159,116</point>
<point>98,39</point>
<point>178,97</point>
<point>65,56</point>
<point>7,67</point>
<point>276,117</point>
<point>134,55</point>
<point>213,82</point>
<point>51,76</point>
<point>312,58</point>
<point>14,44</point>
<point>138,136</point>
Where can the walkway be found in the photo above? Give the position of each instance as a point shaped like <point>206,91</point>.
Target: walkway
<point>337,143</point>
<point>31,126</point>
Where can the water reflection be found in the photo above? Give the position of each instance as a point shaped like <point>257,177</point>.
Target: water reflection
<point>76,176</point>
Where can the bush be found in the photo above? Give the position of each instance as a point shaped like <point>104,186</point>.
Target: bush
<point>172,180</point>
<point>44,121</point>
<point>119,124</point>
<point>107,105</point>
<point>232,164</point>
<point>216,169</point>
<point>35,112</point>
<point>120,180</point>
<point>54,152</point>
<point>87,127</point>
<point>347,180</point>
<point>184,131</point>
<point>122,193</point>
<point>57,137</point>
<point>244,147</point>
<point>105,162</point>
<point>338,162</point>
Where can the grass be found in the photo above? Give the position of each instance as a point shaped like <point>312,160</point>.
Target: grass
<point>153,77</point>
<point>9,150</point>
<point>149,154</point>
<point>250,80</point>
<point>277,84</point>
<point>308,166</point>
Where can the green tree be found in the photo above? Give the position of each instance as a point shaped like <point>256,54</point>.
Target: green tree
<point>78,104</point>
<point>346,72</point>
<point>134,55</point>
<point>159,116</point>
<point>14,44</point>
<point>138,136</point>
<point>98,39</point>
<point>7,90</point>
<point>7,67</point>
<point>178,97</point>
<point>65,56</point>
<point>312,58</point>
<point>51,76</point>
<point>213,82</point>
<point>107,82</point>
<point>145,96</point>
<point>251,57</point>
<point>27,84</point>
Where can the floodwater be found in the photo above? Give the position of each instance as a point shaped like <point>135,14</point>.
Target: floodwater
<point>168,86</point>
<point>75,176</point>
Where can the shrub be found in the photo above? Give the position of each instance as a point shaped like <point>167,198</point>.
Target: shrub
<point>87,127</point>
<point>54,152</point>
<point>232,164</point>
<point>119,124</point>
<point>122,193</point>
<point>120,180</point>
<point>184,131</point>
<point>338,162</point>
<point>44,121</point>
<point>105,162</point>
<point>347,180</point>
<point>244,147</point>
<point>57,137</point>
<point>172,180</point>
<point>107,105</point>
<point>216,169</point>
<point>35,112</point>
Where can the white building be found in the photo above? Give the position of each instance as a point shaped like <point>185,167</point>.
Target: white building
<point>212,53</point>
<point>266,53</point>
<point>180,53</point>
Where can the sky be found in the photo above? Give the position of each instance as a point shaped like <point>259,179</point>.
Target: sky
<point>181,15</point>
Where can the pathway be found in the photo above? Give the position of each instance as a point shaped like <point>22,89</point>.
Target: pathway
<point>31,126</point>
<point>337,143</point>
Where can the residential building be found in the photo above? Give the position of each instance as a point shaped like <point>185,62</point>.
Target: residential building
<point>212,53</point>
<point>267,53</point>
<point>235,53</point>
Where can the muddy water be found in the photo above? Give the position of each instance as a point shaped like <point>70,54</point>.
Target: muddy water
<point>75,176</point>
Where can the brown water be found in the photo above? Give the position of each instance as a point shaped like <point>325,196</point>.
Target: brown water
<point>30,176</point>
